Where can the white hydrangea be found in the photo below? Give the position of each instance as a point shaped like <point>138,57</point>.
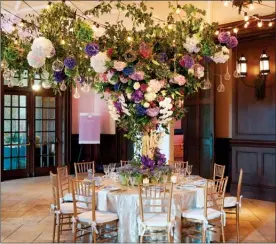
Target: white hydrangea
<point>221,56</point>
<point>34,60</point>
<point>192,44</point>
<point>42,47</point>
<point>165,111</point>
<point>124,105</point>
<point>150,96</point>
<point>98,62</point>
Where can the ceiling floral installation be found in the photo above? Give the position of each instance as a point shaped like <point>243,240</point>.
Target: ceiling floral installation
<point>147,70</point>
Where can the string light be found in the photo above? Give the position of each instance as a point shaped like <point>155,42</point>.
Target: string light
<point>177,11</point>
<point>270,24</point>
<point>251,6</point>
<point>260,24</point>
<point>36,87</point>
<point>49,5</point>
<point>228,32</point>
<point>216,33</point>
<point>235,30</point>
<point>129,39</point>
<point>246,17</point>
<point>21,24</point>
<point>246,24</point>
<point>225,3</point>
<point>170,26</point>
<point>62,42</point>
<point>16,41</point>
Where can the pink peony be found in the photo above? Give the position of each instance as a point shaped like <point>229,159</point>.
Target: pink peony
<point>153,112</point>
<point>103,77</point>
<point>155,85</point>
<point>119,65</point>
<point>179,79</point>
<point>138,75</point>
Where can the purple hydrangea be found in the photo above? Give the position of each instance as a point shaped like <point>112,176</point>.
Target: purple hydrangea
<point>59,76</point>
<point>92,49</point>
<point>160,157</point>
<point>187,61</point>
<point>137,96</point>
<point>118,106</point>
<point>153,112</point>
<point>233,42</point>
<point>147,162</point>
<point>163,57</point>
<point>128,71</point>
<point>140,110</point>
<point>70,62</point>
<point>224,37</point>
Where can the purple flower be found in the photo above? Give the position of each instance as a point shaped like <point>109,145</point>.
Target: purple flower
<point>139,75</point>
<point>70,62</point>
<point>59,76</point>
<point>137,96</point>
<point>159,157</point>
<point>233,42</point>
<point>163,57</point>
<point>140,110</point>
<point>224,37</point>
<point>147,162</point>
<point>128,71</point>
<point>187,61</point>
<point>153,112</point>
<point>92,49</point>
<point>118,106</point>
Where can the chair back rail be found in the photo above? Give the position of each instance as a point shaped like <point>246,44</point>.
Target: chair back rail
<point>82,168</point>
<point>55,190</point>
<point>124,162</point>
<point>218,171</point>
<point>63,180</point>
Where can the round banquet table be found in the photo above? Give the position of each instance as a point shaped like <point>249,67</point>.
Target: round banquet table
<point>125,202</point>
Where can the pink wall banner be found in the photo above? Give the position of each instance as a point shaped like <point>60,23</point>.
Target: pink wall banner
<point>89,128</point>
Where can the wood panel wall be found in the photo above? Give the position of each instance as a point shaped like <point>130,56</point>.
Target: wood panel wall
<point>254,123</point>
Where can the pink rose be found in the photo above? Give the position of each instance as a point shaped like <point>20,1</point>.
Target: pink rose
<point>103,77</point>
<point>179,79</point>
<point>155,85</point>
<point>119,65</point>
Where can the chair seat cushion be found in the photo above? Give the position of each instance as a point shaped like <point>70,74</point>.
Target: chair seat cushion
<point>230,202</point>
<point>198,213</point>
<point>154,219</point>
<point>67,208</point>
<point>68,197</point>
<point>101,217</point>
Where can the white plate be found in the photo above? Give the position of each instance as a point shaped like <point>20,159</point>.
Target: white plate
<point>111,188</point>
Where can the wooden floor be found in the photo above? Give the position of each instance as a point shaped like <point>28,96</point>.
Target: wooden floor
<point>25,215</point>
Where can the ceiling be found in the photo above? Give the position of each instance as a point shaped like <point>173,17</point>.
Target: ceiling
<point>216,11</point>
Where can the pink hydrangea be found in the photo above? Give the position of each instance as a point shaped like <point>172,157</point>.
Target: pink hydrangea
<point>179,79</point>
<point>155,85</point>
<point>138,75</point>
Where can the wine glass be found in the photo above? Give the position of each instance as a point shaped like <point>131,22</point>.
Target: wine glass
<point>112,167</point>
<point>189,169</point>
<point>90,174</point>
<point>106,170</point>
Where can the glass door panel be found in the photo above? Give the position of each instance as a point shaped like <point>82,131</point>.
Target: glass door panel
<point>45,132</point>
<point>16,140</point>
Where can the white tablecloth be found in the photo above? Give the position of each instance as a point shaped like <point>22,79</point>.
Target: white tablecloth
<point>126,205</point>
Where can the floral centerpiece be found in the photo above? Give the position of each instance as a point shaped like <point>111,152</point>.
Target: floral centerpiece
<point>144,71</point>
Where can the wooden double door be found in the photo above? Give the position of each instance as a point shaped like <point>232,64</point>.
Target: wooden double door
<point>198,132</point>
<point>32,133</point>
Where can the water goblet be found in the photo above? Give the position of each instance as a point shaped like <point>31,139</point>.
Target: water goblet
<point>90,174</point>
<point>106,170</point>
<point>189,169</point>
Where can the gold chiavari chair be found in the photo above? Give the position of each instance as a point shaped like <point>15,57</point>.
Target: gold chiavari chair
<point>232,205</point>
<point>64,184</point>
<point>63,212</point>
<point>82,168</point>
<point>124,162</point>
<point>155,210</point>
<point>214,192</point>
<point>90,221</point>
<point>178,165</point>
<point>218,171</point>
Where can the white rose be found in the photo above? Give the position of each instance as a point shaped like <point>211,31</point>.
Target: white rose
<point>150,96</point>
<point>191,44</point>
<point>136,85</point>
<point>98,62</point>
<point>191,71</point>
<point>146,105</point>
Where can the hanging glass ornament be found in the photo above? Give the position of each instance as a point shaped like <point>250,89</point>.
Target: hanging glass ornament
<point>45,75</point>
<point>227,76</point>
<point>80,79</point>
<point>76,94</point>
<point>85,87</point>
<point>52,53</point>
<point>63,86</point>
<point>8,74</point>
<point>236,73</point>
<point>10,83</point>
<point>221,87</point>
<point>20,83</point>
<point>130,55</point>
<point>46,84</point>
<point>206,84</point>
<point>57,66</point>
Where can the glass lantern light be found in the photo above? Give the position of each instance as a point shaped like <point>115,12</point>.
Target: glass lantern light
<point>242,66</point>
<point>264,64</point>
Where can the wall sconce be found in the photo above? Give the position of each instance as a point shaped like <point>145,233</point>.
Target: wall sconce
<point>264,64</point>
<point>242,66</point>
